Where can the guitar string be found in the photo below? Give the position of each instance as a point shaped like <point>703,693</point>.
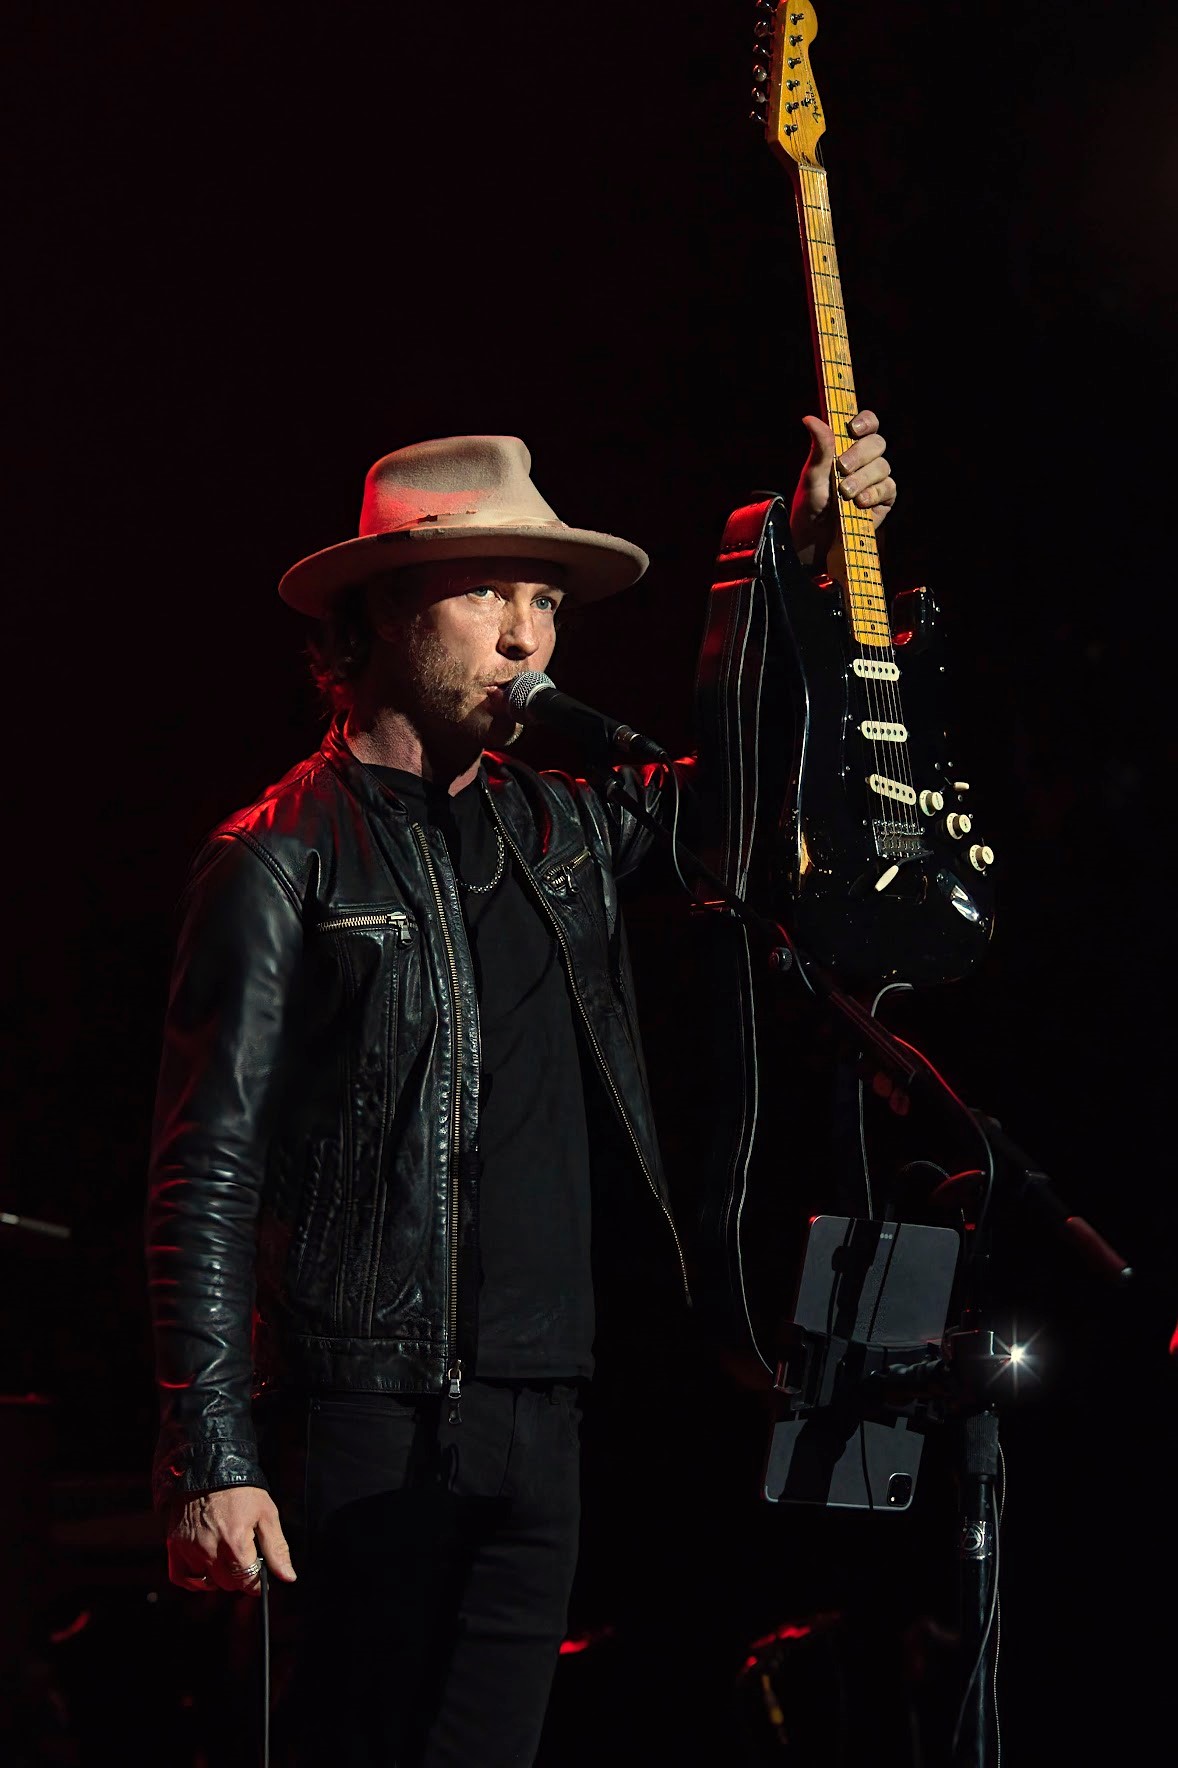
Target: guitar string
<point>865,606</point>
<point>815,237</point>
<point>864,585</point>
<point>869,589</point>
<point>868,597</point>
<point>866,594</point>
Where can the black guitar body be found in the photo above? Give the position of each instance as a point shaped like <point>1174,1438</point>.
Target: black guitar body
<point>792,825</point>
<point>839,839</point>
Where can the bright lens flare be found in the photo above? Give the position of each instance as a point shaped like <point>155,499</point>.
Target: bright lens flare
<point>1020,1361</point>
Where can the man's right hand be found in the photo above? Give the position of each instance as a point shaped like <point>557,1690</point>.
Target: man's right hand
<point>214,1539</point>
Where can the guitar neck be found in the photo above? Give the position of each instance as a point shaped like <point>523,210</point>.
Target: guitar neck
<point>836,387</point>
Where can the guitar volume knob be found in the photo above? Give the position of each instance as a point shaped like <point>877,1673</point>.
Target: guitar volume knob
<point>981,856</point>
<point>958,823</point>
<point>931,802</point>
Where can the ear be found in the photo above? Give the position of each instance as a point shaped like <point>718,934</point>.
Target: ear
<point>386,609</point>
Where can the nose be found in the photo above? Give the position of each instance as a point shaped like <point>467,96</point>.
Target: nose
<point>519,632</point>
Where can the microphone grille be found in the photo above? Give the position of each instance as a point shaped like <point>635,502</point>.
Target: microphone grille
<point>524,686</point>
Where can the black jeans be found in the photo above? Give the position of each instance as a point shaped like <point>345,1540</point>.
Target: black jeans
<point>435,1562</point>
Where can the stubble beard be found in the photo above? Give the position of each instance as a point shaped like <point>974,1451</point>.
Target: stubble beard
<point>447,706</point>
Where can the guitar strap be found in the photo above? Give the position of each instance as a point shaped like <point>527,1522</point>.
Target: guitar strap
<point>741,737</point>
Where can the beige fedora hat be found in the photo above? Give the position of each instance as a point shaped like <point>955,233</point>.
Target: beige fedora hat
<point>460,497</point>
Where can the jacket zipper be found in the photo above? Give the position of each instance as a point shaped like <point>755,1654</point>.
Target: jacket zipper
<point>598,1052</point>
<point>562,878</point>
<point>390,918</point>
<point>455,1372</point>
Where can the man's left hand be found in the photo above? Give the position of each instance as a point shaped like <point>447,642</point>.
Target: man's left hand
<point>864,478</point>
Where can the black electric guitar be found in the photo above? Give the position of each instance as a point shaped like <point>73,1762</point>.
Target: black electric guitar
<point>829,801</point>
<point>878,868</point>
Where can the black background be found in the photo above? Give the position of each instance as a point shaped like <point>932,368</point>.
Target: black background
<point>251,249</point>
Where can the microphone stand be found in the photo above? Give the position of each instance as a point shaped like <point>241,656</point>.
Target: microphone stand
<point>34,1225</point>
<point>963,1378</point>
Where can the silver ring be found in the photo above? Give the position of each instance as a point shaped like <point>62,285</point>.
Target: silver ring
<point>246,1572</point>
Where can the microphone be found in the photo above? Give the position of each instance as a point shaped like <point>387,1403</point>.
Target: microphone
<point>535,699</point>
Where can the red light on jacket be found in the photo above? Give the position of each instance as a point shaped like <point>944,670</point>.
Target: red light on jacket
<point>582,1642</point>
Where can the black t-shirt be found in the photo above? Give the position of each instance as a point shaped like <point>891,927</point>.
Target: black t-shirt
<point>536,1294</point>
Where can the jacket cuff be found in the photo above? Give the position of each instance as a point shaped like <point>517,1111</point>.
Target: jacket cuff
<point>205,1467</point>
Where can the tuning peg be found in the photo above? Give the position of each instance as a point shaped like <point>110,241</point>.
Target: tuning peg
<point>761,75</point>
<point>761,103</point>
<point>762,29</point>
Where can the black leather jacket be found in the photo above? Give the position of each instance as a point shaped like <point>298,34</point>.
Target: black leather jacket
<point>313,1212</point>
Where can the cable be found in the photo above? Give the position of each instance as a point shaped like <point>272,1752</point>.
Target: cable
<point>998,1612</point>
<point>265,1579</point>
<point>975,1126</point>
<point>874,1011</point>
<point>991,1617</point>
<point>669,770</point>
<point>864,1466</point>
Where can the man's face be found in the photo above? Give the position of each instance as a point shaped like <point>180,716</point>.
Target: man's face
<point>458,634</point>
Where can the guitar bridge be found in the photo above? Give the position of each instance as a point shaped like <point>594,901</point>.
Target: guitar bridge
<point>893,842</point>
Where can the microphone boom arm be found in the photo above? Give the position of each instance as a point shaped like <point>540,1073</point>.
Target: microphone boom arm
<point>1030,1186</point>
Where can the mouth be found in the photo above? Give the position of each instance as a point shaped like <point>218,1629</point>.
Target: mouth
<point>499,688</point>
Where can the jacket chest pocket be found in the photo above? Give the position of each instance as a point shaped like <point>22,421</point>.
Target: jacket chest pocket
<point>369,953</point>
<point>582,899</point>
<point>583,895</point>
<point>571,884</point>
<point>383,921</point>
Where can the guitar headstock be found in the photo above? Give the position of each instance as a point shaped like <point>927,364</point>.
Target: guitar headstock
<point>785,98</point>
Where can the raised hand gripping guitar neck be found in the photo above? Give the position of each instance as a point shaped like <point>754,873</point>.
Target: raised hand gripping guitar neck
<point>878,868</point>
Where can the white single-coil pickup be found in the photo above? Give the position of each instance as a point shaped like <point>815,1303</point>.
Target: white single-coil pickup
<point>875,732</point>
<point>891,789</point>
<point>872,669</point>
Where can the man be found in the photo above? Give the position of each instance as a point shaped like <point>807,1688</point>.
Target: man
<point>401,1080</point>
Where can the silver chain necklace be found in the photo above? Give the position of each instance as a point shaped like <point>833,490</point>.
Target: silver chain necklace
<point>482,889</point>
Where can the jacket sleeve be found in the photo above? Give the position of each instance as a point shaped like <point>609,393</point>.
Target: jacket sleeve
<point>666,794</point>
<point>238,955</point>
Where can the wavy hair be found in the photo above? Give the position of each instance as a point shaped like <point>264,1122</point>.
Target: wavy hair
<point>340,651</point>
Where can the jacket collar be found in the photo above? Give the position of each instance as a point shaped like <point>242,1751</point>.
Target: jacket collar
<point>356,777</point>
<point>526,811</point>
<point>363,783</point>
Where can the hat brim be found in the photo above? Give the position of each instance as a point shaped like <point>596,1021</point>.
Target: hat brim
<point>593,565</point>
